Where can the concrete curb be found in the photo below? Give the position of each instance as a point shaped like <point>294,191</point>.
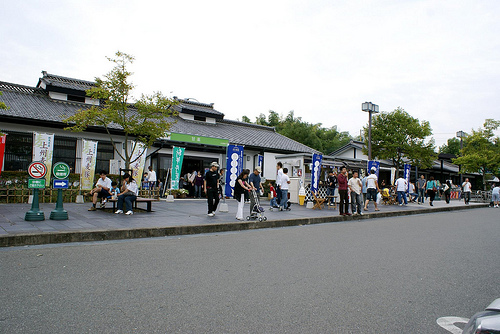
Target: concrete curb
<point>119,234</point>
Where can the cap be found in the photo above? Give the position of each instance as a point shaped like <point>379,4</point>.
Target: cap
<point>214,164</point>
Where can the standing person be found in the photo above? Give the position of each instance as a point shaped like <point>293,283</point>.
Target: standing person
<point>495,195</point>
<point>272,191</point>
<point>466,188</point>
<point>254,181</point>
<point>332,184</point>
<point>152,178</point>
<point>101,190</point>
<point>421,186</point>
<point>128,194</point>
<point>431,189</point>
<point>222,182</point>
<point>447,191</point>
<point>365,188</point>
<point>342,181</point>
<point>356,187</point>
<point>372,190</point>
<point>240,188</point>
<point>211,185</point>
<point>401,187</point>
<point>279,175</point>
<point>190,179</point>
<point>198,185</point>
<point>285,181</point>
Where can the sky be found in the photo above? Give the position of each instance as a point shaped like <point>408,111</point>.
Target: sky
<point>438,60</point>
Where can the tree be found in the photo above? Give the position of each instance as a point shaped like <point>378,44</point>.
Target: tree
<point>481,152</point>
<point>245,119</point>
<point>397,135</point>
<point>451,147</point>
<point>143,121</point>
<point>2,106</point>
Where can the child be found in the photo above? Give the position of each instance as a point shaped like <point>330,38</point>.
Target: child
<point>272,191</point>
<point>285,181</point>
<point>115,190</point>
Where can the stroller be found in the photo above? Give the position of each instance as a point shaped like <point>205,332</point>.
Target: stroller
<point>257,211</point>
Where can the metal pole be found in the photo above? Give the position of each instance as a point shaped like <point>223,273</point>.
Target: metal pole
<point>460,166</point>
<point>369,135</point>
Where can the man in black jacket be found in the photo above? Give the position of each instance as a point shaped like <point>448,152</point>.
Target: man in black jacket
<point>212,188</point>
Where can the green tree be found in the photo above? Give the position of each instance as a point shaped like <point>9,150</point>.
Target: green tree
<point>143,121</point>
<point>451,147</point>
<point>246,119</point>
<point>2,104</point>
<point>481,152</point>
<point>397,135</point>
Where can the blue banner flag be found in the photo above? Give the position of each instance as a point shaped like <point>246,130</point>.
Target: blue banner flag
<point>407,176</point>
<point>374,164</point>
<point>315,171</point>
<point>234,165</point>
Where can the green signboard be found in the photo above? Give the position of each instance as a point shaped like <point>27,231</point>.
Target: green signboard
<point>61,170</point>
<point>181,137</point>
<point>36,183</point>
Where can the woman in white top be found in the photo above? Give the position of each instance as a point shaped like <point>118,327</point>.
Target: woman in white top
<point>129,192</point>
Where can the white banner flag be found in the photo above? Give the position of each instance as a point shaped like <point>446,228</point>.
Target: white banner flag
<point>137,166</point>
<point>89,157</point>
<point>43,149</point>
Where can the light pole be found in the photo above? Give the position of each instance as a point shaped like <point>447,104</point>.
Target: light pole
<point>371,109</point>
<point>461,134</point>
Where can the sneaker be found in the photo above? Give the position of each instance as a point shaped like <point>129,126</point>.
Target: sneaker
<point>400,204</point>
<point>281,208</point>
<point>210,214</point>
<point>496,206</point>
<point>348,214</point>
<point>119,211</point>
<point>130,212</point>
<point>92,208</point>
<point>103,204</point>
<point>361,213</point>
<point>355,214</point>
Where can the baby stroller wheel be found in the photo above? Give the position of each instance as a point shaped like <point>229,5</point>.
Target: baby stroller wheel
<point>248,217</point>
<point>260,219</point>
<point>265,218</point>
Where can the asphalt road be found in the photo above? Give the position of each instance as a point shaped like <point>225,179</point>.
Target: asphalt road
<point>394,275</point>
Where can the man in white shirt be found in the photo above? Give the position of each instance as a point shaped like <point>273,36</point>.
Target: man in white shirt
<point>356,187</point>
<point>279,176</point>
<point>466,188</point>
<point>152,178</point>
<point>101,190</point>
<point>372,190</point>
<point>401,186</point>
<point>285,181</point>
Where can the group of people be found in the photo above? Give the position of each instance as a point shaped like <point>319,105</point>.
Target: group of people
<point>105,189</point>
<point>194,183</point>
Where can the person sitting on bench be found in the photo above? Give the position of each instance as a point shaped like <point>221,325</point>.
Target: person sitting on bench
<point>129,192</point>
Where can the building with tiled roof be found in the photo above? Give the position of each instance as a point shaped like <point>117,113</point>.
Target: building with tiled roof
<point>201,129</point>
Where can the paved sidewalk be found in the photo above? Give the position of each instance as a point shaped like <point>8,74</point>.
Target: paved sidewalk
<point>184,216</point>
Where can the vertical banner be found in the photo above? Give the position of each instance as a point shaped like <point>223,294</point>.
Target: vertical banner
<point>89,157</point>
<point>260,160</point>
<point>43,148</point>
<point>393,175</point>
<point>407,176</point>
<point>177,158</point>
<point>375,164</point>
<point>2,150</point>
<point>139,159</point>
<point>315,171</point>
<point>234,164</point>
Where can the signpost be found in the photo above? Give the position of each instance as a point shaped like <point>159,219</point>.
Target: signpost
<point>37,171</point>
<point>61,173</point>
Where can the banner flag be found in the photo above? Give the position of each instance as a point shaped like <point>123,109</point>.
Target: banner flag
<point>375,164</point>
<point>260,160</point>
<point>137,166</point>
<point>43,149</point>
<point>234,164</point>
<point>89,157</point>
<point>2,150</point>
<point>407,176</point>
<point>316,171</point>
<point>177,159</point>
<point>393,175</point>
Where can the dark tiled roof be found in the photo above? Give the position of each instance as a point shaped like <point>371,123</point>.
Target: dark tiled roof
<point>65,82</point>
<point>33,104</point>
<point>187,105</point>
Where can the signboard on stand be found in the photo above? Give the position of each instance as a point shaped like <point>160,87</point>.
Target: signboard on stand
<point>234,165</point>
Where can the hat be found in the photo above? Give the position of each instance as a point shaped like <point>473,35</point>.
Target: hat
<point>214,164</point>
<point>258,169</point>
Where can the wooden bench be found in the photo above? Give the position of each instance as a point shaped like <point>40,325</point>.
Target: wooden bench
<point>148,202</point>
<point>319,203</point>
<point>329,202</point>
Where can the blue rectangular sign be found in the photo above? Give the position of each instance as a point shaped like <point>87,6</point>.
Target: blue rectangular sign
<point>316,171</point>
<point>60,184</point>
<point>234,165</point>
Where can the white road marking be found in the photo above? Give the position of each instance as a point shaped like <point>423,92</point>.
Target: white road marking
<point>448,323</point>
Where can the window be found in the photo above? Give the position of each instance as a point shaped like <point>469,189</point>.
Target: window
<point>18,151</point>
<point>200,118</point>
<point>65,151</point>
<point>76,98</point>
<point>105,152</point>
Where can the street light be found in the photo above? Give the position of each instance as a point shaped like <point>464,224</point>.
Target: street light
<point>461,134</point>
<point>371,109</point>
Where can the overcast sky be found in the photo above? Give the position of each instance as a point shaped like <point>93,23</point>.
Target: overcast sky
<point>437,59</point>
